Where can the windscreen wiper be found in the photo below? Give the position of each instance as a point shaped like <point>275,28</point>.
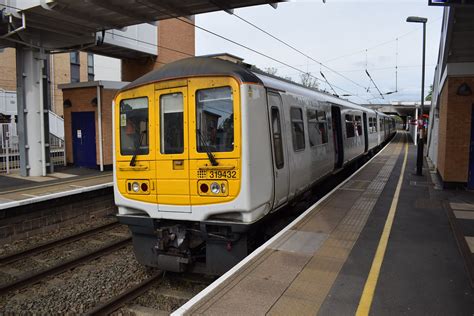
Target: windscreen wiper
<point>133,161</point>
<point>211,157</point>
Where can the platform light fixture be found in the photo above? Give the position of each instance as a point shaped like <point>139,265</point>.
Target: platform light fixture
<point>420,136</point>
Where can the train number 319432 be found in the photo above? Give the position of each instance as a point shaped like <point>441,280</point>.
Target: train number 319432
<point>222,174</point>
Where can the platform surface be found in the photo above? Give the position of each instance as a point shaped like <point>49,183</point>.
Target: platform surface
<point>323,263</point>
<point>16,190</point>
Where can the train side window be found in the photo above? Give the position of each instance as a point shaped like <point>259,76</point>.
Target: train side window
<point>277,138</point>
<point>323,126</point>
<point>171,122</point>
<point>358,124</point>
<point>297,129</point>
<point>313,132</point>
<point>370,125</point>
<point>350,131</point>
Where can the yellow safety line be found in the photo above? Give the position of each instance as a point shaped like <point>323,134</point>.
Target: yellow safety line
<point>371,283</point>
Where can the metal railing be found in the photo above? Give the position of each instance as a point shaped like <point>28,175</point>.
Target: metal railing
<point>10,151</point>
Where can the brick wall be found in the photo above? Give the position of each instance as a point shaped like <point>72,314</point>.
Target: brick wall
<point>81,102</point>
<point>455,131</point>
<point>8,69</point>
<point>29,220</point>
<point>176,40</point>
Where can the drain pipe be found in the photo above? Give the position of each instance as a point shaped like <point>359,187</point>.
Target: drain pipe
<point>99,117</point>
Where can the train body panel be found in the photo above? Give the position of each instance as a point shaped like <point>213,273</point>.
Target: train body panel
<point>205,148</point>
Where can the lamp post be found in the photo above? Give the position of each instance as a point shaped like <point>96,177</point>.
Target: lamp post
<point>420,143</point>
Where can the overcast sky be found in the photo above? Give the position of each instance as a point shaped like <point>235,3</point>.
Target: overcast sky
<point>337,34</point>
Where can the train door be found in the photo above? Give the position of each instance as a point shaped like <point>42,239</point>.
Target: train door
<point>280,156</point>
<point>366,134</point>
<point>337,137</point>
<point>172,157</point>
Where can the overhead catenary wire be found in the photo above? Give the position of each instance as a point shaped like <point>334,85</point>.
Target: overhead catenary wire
<point>297,50</point>
<point>373,82</point>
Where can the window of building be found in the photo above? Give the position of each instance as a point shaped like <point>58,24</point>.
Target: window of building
<point>297,129</point>
<point>350,130</point>
<point>358,124</point>
<point>90,67</point>
<point>277,138</point>
<point>172,129</point>
<point>75,67</point>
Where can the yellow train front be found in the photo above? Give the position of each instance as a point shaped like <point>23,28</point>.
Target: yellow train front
<point>180,161</point>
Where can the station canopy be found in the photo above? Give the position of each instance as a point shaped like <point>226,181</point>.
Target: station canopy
<point>63,24</point>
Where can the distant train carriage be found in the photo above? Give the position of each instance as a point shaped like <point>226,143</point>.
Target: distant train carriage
<point>206,148</point>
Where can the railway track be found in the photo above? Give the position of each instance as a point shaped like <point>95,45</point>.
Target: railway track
<point>64,266</point>
<point>55,243</point>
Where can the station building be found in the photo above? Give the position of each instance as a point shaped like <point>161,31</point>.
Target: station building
<point>451,129</point>
<point>74,93</point>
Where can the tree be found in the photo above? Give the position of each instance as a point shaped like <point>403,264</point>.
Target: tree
<point>271,70</point>
<point>308,80</point>
<point>430,94</point>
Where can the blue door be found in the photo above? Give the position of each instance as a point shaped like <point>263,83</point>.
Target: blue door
<point>83,139</point>
<point>470,178</point>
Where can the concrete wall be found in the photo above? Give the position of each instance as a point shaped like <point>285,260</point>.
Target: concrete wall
<point>81,102</point>
<point>176,41</point>
<point>454,131</point>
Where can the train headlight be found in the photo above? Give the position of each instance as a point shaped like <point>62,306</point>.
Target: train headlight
<point>215,188</point>
<point>135,187</point>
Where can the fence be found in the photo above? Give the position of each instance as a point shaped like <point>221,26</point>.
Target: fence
<point>10,151</point>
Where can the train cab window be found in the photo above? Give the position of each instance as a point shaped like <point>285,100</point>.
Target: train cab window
<point>172,135</point>
<point>277,138</point>
<point>350,130</point>
<point>134,126</point>
<point>358,124</point>
<point>297,129</point>
<point>215,120</point>
<point>313,132</point>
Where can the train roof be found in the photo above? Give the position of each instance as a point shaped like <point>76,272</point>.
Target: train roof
<point>196,66</point>
<point>208,66</point>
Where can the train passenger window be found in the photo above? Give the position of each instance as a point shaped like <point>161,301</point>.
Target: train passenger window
<point>215,120</point>
<point>323,126</point>
<point>297,128</point>
<point>277,138</point>
<point>350,131</point>
<point>313,131</point>
<point>134,126</point>
<point>172,129</point>
<point>358,124</point>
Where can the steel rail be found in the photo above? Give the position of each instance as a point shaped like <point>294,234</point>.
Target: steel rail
<point>55,243</point>
<point>36,277</point>
<point>120,300</point>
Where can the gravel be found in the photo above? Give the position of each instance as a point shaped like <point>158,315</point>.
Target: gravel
<point>41,238</point>
<point>80,289</point>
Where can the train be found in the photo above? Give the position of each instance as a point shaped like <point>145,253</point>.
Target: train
<point>206,148</point>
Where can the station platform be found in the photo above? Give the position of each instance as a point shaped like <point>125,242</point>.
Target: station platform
<point>381,243</point>
<point>17,191</point>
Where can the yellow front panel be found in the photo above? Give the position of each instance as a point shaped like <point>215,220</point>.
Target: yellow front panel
<point>229,162</point>
<point>174,176</point>
<point>172,169</point>
<point>145,164</point>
